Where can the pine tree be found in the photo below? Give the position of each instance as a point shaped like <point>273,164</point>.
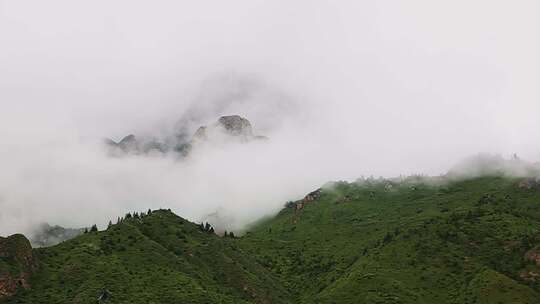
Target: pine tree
<point>128,215</point>
<point>110,225</point>
<point>94,228</point>
<point>231,234</point>
<point>225,234</point>
<point>149,212</point>
<point>201,226</point>
<point>85,230</point>
<point>207,226</point>
<point>211,230</point>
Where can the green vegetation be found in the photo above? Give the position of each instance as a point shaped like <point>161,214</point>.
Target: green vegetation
<point>156,258</point>
<point>409,241</point>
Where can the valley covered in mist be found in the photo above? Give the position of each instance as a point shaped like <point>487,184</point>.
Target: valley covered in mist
<point>383,150</point>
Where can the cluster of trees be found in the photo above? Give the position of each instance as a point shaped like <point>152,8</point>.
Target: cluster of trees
<point>206,227</point>
<point>228,234</point>
<point>92,229</point>
<point>119,220</point>
<point>135,215</point>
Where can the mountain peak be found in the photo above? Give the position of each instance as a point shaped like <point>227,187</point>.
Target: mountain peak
<point>236,125</point>
<point>17,264</point>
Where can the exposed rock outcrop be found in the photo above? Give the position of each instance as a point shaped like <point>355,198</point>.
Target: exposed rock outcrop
<point>129,143</point>
<point>201,133</point>
<point>299,205</point>
<point>132,145</point>
<point>529,183</point>
<point>227,129</point>
<point>310,197</point>
<point>533,255</point>
<point>234,126</point>
<point>16,264</point>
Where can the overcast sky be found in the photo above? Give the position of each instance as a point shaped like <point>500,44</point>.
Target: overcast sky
<point>342,88</point>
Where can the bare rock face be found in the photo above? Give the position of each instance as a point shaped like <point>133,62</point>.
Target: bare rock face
<point>201,134</point>
<point>533,255</point>
<point>132,145</point>
<point>234,126</point>
<point>310,197</point>
<point>529,183</point>
<point>128,143</point>
<point>16,264</point>
<point>299,205</point>
<point>231,128</point>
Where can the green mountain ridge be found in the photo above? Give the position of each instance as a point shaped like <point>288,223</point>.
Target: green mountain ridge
<point>374,241</point>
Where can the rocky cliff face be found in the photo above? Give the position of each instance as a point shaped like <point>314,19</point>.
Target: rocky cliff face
<point>132,145</point>
<point>16,264</point>
<point>228,128</point>
<point>233,127</point>
<point>236,125</point>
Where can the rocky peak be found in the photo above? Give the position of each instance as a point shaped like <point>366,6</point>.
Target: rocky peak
<point>132,145</point>
<point>127,144</point>
<point>236,125</point>
<point>128,140</point>
<point>16,264</point>
<point>200,134</point>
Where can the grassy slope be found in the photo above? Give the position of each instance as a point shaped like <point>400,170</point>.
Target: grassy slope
<point>458,243</point>
<point>158,259</point>
<point>421,244</point>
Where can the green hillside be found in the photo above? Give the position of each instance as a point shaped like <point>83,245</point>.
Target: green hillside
<point>407,242</point>
<point>157,258</point>
<point>417,240</point>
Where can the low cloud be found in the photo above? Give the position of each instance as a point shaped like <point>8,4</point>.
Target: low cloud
<point>494,165</point>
